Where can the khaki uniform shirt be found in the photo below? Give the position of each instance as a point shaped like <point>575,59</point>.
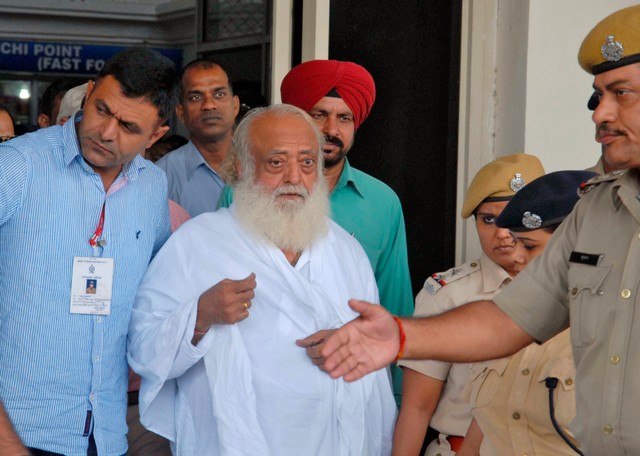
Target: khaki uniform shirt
<point>511,401</point>
<point>598,167</point>
<point>473,281</point>
<point>597,291</point>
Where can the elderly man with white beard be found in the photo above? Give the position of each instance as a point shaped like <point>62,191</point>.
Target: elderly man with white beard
<point>215,323</point>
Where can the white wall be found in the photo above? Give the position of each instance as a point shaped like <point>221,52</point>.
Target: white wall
<point>521,89</point>
<point>558,128</point>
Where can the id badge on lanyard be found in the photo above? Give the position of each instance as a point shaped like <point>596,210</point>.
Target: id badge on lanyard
<point>92,278</point>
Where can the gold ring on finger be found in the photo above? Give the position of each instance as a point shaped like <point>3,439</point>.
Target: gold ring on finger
<point>246,305</point>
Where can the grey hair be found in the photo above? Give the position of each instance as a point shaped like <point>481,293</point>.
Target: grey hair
<point>72,102</point>
<point>240,152</point>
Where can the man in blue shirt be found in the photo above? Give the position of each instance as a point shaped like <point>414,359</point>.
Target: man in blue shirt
<point>78,203</point>
<point>208,108</point>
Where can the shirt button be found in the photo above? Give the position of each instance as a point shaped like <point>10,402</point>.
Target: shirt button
<point>574,291</point>
<point>525,371</point>
<point>96,358</point>
<point>568,382</point>
<point>600,292</point>
<point>92,397</point>
<point>516,416</point>
<point>608,429</point>
<point>615,359</point>
<point>99,319</point>
<point>625,293</point>
<point>473,265</point>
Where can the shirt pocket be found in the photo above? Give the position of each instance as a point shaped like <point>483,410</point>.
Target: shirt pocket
<point>564,394</point>
<point>485,379</point>
<point>585,301</point>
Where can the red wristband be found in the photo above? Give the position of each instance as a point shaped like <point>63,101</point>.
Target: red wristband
<point>403,339</point>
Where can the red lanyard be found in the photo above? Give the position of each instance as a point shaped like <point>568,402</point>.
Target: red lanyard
<point>94,239</point>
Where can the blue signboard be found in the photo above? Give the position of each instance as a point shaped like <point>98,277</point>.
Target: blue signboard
<point>64,58</point>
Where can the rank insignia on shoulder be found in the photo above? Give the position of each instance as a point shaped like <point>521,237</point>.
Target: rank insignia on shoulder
<point>434,283</point>
<point>440,279</point>
<point>587,186</point>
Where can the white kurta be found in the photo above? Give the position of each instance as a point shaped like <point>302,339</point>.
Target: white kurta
<point>247,389</point>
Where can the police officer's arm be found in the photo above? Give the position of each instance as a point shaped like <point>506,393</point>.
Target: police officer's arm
<point>474,332</point>
<point>9,441</point>
<point>420,396</point>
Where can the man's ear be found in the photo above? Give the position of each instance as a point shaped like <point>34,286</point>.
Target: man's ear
<point>236,105</point>
<point>180,112</point>
<point>159,133</point>
<point>91,84</point>
<point>43,121</point>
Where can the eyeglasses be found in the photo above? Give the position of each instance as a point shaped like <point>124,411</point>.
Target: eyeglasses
<point>6,138</point>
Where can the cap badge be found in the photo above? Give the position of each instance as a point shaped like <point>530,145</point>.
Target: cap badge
<point>517,182</point>
<point>612,50</point>
<point>531,221</point>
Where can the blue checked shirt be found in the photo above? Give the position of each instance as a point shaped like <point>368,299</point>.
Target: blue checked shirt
<point>64,375</point>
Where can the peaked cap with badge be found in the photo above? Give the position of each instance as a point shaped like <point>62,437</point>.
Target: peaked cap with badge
<point>544,202</point>
<point>614,42</point>
<point>309,82</point>
<point>500,179</point>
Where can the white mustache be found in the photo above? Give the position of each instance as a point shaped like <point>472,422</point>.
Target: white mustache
<point>291,189</point>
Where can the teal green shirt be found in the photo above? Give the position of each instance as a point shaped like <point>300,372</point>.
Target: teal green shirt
<point>371,212</point>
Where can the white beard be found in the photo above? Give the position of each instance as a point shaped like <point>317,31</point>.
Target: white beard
<point>290,224</point>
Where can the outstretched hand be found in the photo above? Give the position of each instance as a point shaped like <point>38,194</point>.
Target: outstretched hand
<point>366,344</point>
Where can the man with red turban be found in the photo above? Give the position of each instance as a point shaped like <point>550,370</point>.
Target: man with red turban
<point>339,97</point>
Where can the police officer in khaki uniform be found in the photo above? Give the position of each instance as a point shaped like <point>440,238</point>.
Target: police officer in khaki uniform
<point>510,396</point>
<point>432,388</point>
<point>591,271</point>
<point>589,276</point>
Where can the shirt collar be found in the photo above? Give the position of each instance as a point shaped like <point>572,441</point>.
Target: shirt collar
<point>493,275</point>
<point>598,167</point>
<point>193,160</point>
<point>347,177</point>
<point>626,191</point>
<point>629,181</point>
<point>70,138</point>
<point>73,152</point>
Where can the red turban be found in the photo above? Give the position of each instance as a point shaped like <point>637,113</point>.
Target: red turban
<point>308,82</point>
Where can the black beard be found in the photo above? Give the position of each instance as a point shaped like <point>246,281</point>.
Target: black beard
<point>330,163</point>
<point>334,161</point>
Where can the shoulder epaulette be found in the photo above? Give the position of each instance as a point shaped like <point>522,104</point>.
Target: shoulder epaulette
<point>587,186</point>
<point>440,279</point>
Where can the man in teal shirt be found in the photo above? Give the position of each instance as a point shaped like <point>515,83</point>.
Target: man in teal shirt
<point>339,96</point>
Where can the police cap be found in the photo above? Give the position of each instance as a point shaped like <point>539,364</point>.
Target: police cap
<point>544,202</point>
<point>500,179</point>
<point>613,42</point>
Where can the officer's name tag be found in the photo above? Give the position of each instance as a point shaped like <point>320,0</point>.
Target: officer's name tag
<point>91,285</point>
<point>592,259</point>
